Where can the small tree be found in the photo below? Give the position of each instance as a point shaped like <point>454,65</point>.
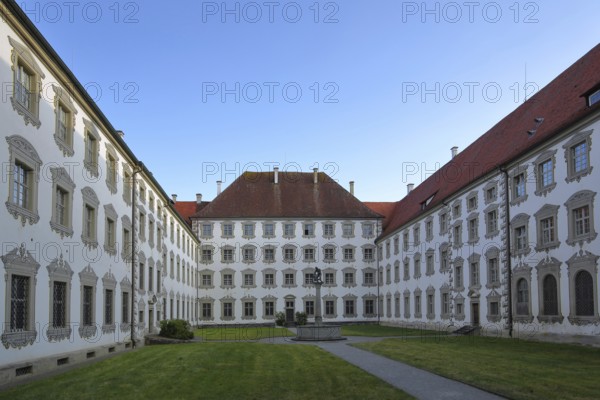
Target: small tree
<point>280,318</point>
<point>301,318</point>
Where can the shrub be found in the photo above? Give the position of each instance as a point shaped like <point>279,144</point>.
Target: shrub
<point>280,318</point>
<point>176,329</point>
<point>301,318</point>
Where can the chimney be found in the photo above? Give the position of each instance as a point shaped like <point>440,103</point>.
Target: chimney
<point>219,187</point>
<point>352,188</point>
<point>454,151</point>
<point>198,198</point>
<point>174,196</point>
<point>409,188</point>
<point>276,173</point>
<point>316,175</point>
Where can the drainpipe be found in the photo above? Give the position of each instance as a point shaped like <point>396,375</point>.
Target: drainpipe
<point>508,252</point>
<point>136,170</point>
<point>378,283</point>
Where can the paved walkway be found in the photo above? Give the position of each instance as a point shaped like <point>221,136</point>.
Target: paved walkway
<point>414,381</point>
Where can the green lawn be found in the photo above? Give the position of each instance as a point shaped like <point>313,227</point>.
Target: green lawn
<point>213,371</point>
<point>382,331</point>
<point>242,333</point>
<point>516,369</point>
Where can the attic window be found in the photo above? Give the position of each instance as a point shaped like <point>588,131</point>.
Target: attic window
<point>426,202</point>
<point>594,98</point>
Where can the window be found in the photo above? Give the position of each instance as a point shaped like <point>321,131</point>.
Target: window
<point>248,230</point>
<point>544,171</point>
<point>270,309</point>
<point>207,254</point>
<point>520,237</point>
<point>368,230</point>
<point>493,268</point>
<point>406,269</point>
<point>522,306</point>
<point>406,304</point>
<point>417,295</point>
<point>329,254</point>
<point>405,241</point>
<point>227,254</point>
<point>472,201</point>
<point>227,310</point>
<point>142,226</point>
<point>581,217</point>
<point>456,209</point>
<point>309,254</point>
<point>430,302</point>
<point>206,311</point>
<point>207,230</point>
<point>27,83</point>
<point>141,275</point>
<point>428,230</point>
<point>443,257</point>
<point>491,194</point>
<point>248,253</point>
<point>289,254</point>
<point>90,207</point>
<point>474,274</point>
<point>269,254</point>
<point>329,278</point>
<point>109,299</point>
<point>309,307</point>
<point>65,121</point>
<point>90,157</point>
<point>25,166</point>
<point>546,219</point>
<point>269,278</point>
<point>457,234</point>
<point>125,307</point>
<point>249,279</point>
<point>309,278</point>
<point>348,254</point>
<point>368,254</point>
<point>227,230</point>
<point>289,279</point>
<point>308,229</point>
<point>445,303</point>
<point>206,280</point>
<point>349,306</point>
<point>288,230</point>
<point>584,294</point>
<point>349,279</point>
<point>330,308</point>
<point>417,265</point>
<point>491,221</point>
<point>443,223</point>
<point>518,185</point>
<point>396,244</point>
<point>348,229</point>
<point>458,274</point>
<point>59,305</point>
<point>429,268</point>
<point>112,168</point>
<point>62,202</point>
<point>550,296</point>
<point>577,155</point>
<point>369,308</point>
<point>369,278</point>
<point>248,309</point>
<point>110,230</point>
<point>88,280</point>
<point>328,230</point>
<point>473,229</point>
<point>594,98</point>
<point>417,235</point>
<point>227,279</point>
<point>268,230</point>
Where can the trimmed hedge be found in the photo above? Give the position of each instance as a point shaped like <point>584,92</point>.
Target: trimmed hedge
<point>176,329</point>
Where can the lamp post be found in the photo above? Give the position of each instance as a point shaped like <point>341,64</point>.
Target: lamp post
<point>136,170</point>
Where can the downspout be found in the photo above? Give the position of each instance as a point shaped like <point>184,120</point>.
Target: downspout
<point>378,283</point>
<point>508,252</point>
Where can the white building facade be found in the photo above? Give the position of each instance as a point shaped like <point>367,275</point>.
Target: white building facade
<point>255,266</point>
<point>67,232</point>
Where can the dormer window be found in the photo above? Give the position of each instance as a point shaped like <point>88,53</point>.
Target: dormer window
<point>594,98</point>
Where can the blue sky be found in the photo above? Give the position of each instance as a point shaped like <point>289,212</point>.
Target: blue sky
<point>376,92</point>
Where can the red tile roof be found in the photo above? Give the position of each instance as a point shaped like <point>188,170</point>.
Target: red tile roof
<point>385,208</point>
<point>188,208</point>
<point>561,103</point>
<point>255,195</point>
